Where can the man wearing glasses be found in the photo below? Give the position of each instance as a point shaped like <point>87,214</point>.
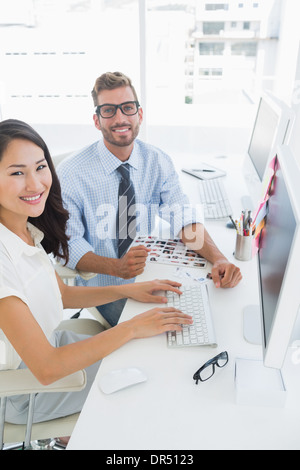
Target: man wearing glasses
<point>113,190</point>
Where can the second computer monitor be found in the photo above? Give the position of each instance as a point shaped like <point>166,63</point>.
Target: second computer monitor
<point>263,135</point>
<point>272,126</point>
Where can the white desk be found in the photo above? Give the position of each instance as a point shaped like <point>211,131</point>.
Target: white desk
<point>169,411</point>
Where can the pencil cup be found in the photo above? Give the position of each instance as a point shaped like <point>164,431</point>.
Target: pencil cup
<point>243,247</point>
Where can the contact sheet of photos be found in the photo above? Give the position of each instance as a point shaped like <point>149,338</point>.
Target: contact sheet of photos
<point>171,251</point>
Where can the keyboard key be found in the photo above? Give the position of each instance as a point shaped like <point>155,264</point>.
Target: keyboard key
<point>194,302</point>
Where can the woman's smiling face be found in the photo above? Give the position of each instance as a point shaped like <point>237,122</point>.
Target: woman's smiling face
<point>25,180</point>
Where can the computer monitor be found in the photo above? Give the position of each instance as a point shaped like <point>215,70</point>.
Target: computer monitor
<point>278,260</point>
<point>272,127</point>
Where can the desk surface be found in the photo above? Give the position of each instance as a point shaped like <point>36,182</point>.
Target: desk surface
<point>169,411</point>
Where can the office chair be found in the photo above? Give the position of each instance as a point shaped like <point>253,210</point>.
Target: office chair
<point>57,159</point>
<point>23,382</point>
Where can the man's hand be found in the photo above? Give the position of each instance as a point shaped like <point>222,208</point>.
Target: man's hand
<point>225,274</point>
<point>133,262</point>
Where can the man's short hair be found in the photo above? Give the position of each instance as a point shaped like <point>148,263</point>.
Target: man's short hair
<point>111,81</point>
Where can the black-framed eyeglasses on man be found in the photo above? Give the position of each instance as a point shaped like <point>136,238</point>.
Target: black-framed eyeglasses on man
<point>208,369</point>
<point>107,111</point>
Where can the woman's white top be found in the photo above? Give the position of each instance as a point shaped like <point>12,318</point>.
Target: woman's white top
<point>27,272</point>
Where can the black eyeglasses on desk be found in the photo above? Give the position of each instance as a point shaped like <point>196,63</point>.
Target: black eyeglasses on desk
<point>208,369</point>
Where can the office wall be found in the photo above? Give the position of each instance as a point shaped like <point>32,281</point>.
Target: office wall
<point>202,141</point>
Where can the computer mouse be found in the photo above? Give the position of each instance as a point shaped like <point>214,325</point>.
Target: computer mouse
<point>120,379</point>
<point>230,225</point>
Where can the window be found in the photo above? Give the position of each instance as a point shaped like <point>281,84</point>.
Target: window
<point>211,48</point>
<point>49,63</point>
<point>216,6</point>
<point>47,74</point>
<point>213,27</point>
<point>212,72</point>
<point>247,49</point>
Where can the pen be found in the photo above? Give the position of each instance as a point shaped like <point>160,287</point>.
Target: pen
<point>248,219</point>
<point>242,220</point>
<point>233,222</point>
<point>245,226</point>
<point>204,170</point>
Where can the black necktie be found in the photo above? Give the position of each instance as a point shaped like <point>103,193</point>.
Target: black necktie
<point>126,221</point>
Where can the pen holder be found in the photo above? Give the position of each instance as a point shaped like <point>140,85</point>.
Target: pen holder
<point>243,247</point>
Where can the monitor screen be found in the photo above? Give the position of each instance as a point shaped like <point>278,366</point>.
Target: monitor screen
<point>263,135</point>
<point>275,250</point>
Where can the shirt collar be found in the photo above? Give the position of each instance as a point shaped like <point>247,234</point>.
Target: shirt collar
<point>110,162</point>
<point>15,246</point>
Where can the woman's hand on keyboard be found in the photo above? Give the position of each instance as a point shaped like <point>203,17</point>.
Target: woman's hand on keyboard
<point>157,321</point>
<point>151,292</point>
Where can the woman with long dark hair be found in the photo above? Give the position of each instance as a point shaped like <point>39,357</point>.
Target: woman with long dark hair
<point>32,296</point>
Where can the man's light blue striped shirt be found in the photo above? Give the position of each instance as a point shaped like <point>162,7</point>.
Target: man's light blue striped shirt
<point>90,185</point>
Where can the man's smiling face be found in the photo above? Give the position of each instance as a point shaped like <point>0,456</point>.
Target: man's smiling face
<point>120,130</point>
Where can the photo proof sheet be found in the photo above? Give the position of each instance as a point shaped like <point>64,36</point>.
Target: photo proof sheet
<point>170,251</point>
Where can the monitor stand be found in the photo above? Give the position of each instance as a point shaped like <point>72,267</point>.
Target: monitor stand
<point>252,327</point>
<point>251,324</point>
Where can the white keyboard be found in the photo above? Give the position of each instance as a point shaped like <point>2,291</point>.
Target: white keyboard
<point>193,301</point>
<point>214,199</point>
